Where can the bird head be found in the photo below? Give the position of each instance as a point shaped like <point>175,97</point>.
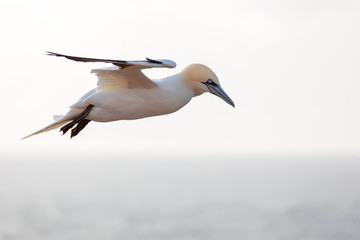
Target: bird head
<point>202,79</point>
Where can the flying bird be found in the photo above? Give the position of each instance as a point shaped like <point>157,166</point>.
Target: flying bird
<point>123,92</point>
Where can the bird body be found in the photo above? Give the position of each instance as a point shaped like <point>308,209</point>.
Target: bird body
<point>168,96</point>
<point>124,93</point>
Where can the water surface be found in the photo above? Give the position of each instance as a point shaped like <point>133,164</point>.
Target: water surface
<point>180,198</point>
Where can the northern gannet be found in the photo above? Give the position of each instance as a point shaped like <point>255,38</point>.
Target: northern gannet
<point>123,92</point>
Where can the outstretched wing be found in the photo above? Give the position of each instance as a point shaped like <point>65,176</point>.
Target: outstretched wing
<point>126,74</point>
<point>148,63</point>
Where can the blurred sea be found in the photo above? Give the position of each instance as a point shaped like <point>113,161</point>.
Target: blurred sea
<point>180,198</point>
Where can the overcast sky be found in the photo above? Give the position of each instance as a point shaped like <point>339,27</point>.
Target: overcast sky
<point>291,67</point>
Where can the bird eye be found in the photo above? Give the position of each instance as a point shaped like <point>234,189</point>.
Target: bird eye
<point>209,81</point>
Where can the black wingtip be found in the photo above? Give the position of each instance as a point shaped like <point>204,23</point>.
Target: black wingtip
<point>153,61</point>
<point>51,53</point>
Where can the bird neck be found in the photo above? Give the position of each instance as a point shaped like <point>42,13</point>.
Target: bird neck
<point>176,90</point>
<point>176,83</point>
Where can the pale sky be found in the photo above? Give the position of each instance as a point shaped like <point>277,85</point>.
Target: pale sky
<point>291,67</point>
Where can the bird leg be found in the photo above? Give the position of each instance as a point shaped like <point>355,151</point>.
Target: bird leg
<point>77,120</point>
<point>80,126</point>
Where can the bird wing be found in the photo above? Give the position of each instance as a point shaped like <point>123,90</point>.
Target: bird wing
<point>125,74</point>
<point>141,64</point>
<point>109,78</point>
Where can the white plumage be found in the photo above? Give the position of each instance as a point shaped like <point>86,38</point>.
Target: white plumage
<point>123,92</point>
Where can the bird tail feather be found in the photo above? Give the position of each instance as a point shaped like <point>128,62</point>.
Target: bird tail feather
<point>52,126</point>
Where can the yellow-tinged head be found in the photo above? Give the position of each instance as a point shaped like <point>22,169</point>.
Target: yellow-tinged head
<point>202,79</point>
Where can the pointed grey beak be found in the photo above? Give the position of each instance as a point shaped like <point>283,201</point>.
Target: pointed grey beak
<point>218,91</point>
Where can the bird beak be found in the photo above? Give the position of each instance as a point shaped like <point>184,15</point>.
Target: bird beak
<point>218,91</point>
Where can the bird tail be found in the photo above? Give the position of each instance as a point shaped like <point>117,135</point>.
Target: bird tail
<point>52,126</point>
